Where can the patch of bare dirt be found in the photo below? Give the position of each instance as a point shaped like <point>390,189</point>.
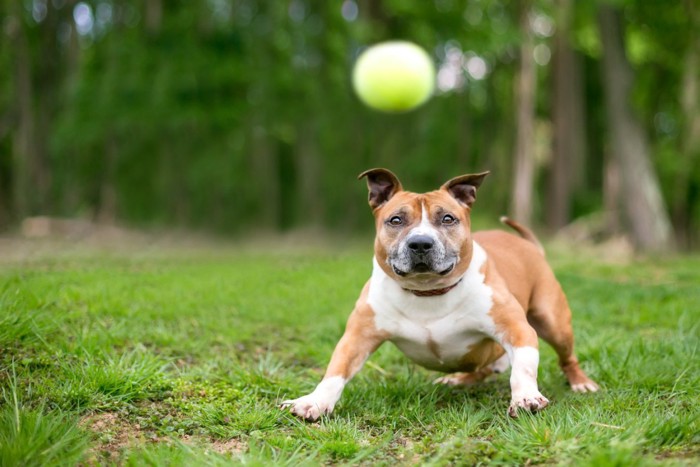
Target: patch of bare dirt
<point>231,446</point>
<point>686,456</point>
<point>403,447</point>
<point>114,434</point>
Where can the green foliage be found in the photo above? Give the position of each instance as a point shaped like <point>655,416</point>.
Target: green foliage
<point>238,115</point>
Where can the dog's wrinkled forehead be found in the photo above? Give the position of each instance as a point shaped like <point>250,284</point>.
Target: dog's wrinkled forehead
<point>406,203</point>
<point>418,205</point>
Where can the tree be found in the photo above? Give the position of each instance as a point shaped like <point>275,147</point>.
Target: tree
<point>568,126</point>
<point>239,115</point>
<point>689,176</point>
<point>525,82</point>
<point>645,213</point>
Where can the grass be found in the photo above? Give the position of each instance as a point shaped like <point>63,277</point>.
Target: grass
<point>32,436</point>
<point>172,358</point>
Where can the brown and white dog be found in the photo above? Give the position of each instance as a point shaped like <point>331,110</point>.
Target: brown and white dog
<point>465,303</point>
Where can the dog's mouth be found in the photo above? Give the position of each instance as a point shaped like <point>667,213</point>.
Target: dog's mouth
<point>422,268</point>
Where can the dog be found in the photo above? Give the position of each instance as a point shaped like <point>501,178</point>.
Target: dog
<point>467,304</point>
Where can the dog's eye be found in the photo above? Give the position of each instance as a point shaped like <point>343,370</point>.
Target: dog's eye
<point>448,219</point>
<point>396,220</point>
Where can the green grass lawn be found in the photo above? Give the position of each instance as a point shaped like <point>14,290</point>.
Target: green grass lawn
<point>172,358</point>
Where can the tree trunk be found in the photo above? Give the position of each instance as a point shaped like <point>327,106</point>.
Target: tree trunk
<point>566,172</point>
<point>309,170</point>
<point>646,215</point>
<point>107,204</point>
<point>265,166</point>
<point>611,195</point>
<point>47,85</point>
<point>525,81</point>
<point>35,86</point>
<point>690,139</point>
<point>154,15</point>
<point>6,122</point>
<point>24,142</point>
<point>68,198</point>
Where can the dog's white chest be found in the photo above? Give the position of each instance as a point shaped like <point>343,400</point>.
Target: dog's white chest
<point>436,332</point>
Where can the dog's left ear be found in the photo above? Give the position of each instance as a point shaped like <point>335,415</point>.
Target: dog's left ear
<point>463,188</point>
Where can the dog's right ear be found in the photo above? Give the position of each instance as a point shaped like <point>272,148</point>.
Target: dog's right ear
<point>382,185</point>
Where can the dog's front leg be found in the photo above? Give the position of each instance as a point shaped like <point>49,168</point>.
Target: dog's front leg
<point>359,341</point>
<point>519,340</point>
<point>523,380</point>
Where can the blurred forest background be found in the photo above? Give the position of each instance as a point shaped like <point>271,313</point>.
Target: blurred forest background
<point>238,116</point>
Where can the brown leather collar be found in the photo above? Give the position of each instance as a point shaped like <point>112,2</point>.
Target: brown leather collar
<point>433,292</point>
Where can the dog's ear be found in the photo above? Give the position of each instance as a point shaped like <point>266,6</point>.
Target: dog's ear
<point>463,188</point>
<point>382,185</point>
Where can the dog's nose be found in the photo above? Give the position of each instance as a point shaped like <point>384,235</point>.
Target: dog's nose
<point>420,244</point>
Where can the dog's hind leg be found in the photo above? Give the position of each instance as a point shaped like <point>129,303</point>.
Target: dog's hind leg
<point>464,379</point>
<point>474,377</point>
<point>551,317</point>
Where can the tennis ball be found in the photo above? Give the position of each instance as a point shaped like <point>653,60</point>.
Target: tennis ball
<point>394,76</point>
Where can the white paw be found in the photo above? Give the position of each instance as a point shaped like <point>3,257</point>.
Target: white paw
<point>531,402</point>
<point>309,407</point>
<point>320,402</point>
<point>586,386</point>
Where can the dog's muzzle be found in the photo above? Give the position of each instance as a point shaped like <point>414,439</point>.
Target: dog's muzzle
<point>421,255</point>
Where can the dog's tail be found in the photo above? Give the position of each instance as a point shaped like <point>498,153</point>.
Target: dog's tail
<point>524,232</point>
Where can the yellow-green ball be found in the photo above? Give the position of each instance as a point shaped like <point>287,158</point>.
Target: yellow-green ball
<point>394,76</point>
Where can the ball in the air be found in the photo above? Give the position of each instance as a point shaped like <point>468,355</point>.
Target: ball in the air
<point>394,76</point>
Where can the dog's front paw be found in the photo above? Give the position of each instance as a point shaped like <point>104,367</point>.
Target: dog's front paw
<point>530,402</point>
<point>320,402</point>
<point>309,407</point>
